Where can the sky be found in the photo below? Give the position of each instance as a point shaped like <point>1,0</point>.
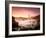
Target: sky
<point>25,12</point>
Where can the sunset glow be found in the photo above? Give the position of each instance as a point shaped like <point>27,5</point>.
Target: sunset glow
<point>25,12</point>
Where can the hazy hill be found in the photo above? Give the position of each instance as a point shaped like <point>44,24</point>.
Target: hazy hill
<point>36,17</point>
